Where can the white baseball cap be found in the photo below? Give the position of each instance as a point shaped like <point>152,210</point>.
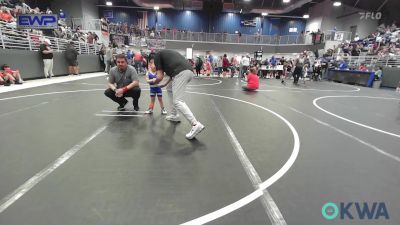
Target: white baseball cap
<point>47,41</point>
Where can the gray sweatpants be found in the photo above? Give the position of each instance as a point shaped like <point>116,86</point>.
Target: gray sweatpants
<point>176,91</point>
<point>48,67</point>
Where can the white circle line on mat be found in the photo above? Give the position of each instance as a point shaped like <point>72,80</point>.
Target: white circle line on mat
<point>264,185</point>
<point>351,121</point>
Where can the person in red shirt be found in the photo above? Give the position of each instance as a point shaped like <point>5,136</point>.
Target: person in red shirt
<point>225,65</point>
<point>362,67</point>
<point>252,80</point>
<point>14,73</point>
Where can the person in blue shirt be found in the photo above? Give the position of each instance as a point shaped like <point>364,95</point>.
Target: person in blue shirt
<point>273,63</point>
<point>154,89</point>
<point>343,65</point>
<point>129,56</point>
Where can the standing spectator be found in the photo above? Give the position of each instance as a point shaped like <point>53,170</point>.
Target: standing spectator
<point>90,38</point>
<point>108,57</point>
<point>138,59</point>
<point>71,54</point>
<point>47,56</point>
<point>245,62</point>
<point>198,65</point>
<point>102,52</point>
<point>129,56</point>
<point>225,65</point>
<point>298,71</point>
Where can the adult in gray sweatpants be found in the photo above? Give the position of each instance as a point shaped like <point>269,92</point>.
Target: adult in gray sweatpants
<point>47,56</point>
<point>180,72</point>
<point>108,58</point>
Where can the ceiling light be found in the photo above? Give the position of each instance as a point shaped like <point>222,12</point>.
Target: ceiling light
<point>247,0</point>
<point>306,16</point>
<point>286,1</point>
<point>264,14</point>
<point>337,4</point>
<point>108,3</point>
<point>156,7</point>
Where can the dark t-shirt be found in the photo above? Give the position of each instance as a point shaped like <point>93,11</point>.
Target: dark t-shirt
<point>122,79</point>
<point>71,53</point>
<point>45,56</point>
<point>171,62</point>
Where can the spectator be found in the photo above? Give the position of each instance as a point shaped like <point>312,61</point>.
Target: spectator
<point>71,54</point>
<point>5,15</point>
<point>15,75</point>
<point>47,56</point>
<point>378,73</point>
<point>90,38</point>
<point>198,65</point>
<point>129,56</point>
<point>225,65</point>
<point>362,68</point>
<point>138,60</point>
<point>108,57</point>
<point>48,11</point>
<point>5,79</point>
<point>252,80</point>
<point>245,62</point>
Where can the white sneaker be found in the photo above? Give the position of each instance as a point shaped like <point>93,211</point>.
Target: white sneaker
<point>150,111</point>
<point>195,130</point>
<point>173,118</point>
<point>164,112</point>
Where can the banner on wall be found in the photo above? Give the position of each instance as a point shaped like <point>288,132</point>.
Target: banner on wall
<point>293,30</point>
<point>108,14</point>
<point>104,27</point>
<point>248,23</point>
<point>339,36</point>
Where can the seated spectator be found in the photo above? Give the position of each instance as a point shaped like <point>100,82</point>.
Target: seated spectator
<point>6,3</point>
<point>6,79</point>
<point>252,80</point>
<point>6,16</point>
<point>14,74</point>
<point>362,68</point>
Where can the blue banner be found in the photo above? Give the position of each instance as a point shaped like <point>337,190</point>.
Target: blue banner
<point>37,21</point>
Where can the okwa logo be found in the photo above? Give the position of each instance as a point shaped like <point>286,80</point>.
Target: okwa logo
<point>355,210</point>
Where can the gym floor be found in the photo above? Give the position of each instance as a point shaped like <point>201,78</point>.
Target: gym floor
<point>274,156</point>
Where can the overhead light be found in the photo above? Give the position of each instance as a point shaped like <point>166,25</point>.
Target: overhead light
<point>337,4</point>
<point>306,16</point>
<point>247,0</point>
<point>286,1</point>
<point>108,3</point>
<point>156,7</point>
<point>264,14</point>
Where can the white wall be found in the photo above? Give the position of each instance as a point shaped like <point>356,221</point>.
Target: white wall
<point>89,9</point>
<point>324,16</point>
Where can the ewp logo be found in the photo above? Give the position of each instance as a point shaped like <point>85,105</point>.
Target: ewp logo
<point>33,21</point>
<point>363,210</point>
